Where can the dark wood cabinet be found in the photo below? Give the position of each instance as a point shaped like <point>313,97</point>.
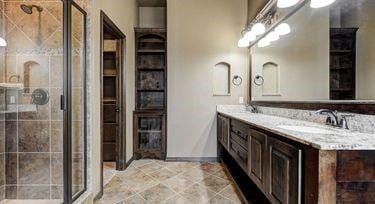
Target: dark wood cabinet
<point>151,93</point>
<point>223,131</point>
<point>149,138</point>
<point>343,63</point>
<point>258,158</point>
<point>283,172</point>
<point>238,143</point>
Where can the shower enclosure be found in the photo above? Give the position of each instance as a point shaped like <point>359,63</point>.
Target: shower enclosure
<point>42,100</point>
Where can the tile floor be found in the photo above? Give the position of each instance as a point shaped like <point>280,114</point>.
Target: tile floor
<point>154,181</point>
<point>109,171</point>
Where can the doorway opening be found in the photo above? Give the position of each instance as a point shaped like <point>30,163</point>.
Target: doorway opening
<point>113,112</point>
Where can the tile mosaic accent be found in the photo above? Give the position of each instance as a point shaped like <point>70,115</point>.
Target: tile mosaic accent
<point>168,183</point>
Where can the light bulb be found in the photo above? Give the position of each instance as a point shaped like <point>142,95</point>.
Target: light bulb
<point>250,36</point>
<point>286,3</point>
<point>258,29</point>
<point>282,29</point>
<point>243,42</point>
<point>3,43</point>
<point>264,42</point>
<point>272,36</point>
<point>320,3</point>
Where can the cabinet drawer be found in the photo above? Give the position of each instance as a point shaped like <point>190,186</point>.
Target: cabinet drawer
<point>239,140</point>
<point>239,153</point>
<point>240,129</point>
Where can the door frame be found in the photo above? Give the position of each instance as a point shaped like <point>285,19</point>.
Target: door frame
<point>66,101</point>
<point>106,22</point>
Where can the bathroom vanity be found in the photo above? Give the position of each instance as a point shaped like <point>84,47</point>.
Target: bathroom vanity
<point>295,161</point>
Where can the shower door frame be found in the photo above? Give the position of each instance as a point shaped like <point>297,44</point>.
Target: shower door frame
<point>66,100</point>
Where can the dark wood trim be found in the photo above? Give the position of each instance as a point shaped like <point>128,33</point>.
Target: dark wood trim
<point>192,159</point>
<point>108,24</point>
<point>360,108</point>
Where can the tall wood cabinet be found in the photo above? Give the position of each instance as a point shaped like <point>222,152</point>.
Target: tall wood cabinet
<point>151,93</point>
<point>343,63</point>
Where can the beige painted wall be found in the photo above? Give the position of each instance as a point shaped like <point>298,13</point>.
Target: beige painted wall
<point>303,64</point>
<point>124,14</point>
<point>201,34</point>
<point>151,17</point>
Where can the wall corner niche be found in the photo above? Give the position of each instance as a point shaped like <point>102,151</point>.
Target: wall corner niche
<point>271,76</point>
<point>222,79</point>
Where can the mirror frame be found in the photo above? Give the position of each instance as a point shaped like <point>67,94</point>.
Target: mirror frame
<point>361,106</point>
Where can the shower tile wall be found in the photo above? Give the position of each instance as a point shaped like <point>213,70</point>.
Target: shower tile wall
<point>33,134</point>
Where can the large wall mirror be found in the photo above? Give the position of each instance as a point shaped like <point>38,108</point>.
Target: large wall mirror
<point>328,55</point>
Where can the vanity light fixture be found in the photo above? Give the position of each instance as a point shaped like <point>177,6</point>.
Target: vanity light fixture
<point>243,42</point>
<point>3,43</point>
<point>321,3</point>
<point>272,36</point>
<point>258,29</point>
<point>264,42</point>
<point>283,29</point>
<point>250,36</point>
<point>286,3</point>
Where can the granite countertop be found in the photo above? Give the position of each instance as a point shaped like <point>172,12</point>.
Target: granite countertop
<point>338,139</point>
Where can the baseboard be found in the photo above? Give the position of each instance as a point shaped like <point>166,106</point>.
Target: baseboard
<point>129,162</point>
<point>192,159</point>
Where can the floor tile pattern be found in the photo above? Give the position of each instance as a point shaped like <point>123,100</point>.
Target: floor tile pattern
<point>155,181</point>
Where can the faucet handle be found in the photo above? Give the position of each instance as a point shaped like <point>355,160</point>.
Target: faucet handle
<point>343,122</point>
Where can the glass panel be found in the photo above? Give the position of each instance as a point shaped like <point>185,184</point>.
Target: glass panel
<point>151,100</point>
<point>149,132</point>
<point>31,122</point>
<point>149,80</point>
<point>78,101</point>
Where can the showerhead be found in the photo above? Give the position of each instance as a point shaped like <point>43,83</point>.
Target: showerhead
<point>29,8</point>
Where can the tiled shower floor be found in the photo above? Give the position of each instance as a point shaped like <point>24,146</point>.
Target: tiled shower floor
<point>154,181</point>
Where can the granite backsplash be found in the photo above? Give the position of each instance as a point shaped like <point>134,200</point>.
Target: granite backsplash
<point>358,122</point>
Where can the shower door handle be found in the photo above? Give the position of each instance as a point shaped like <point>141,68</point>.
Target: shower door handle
<point>62,103</point>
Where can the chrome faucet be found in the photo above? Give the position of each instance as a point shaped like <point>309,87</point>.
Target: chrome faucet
<point>332,118</point>
<point>335,119</point>
<point>253,108</point>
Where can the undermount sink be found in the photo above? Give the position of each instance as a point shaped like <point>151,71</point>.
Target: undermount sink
<point>306,129</point>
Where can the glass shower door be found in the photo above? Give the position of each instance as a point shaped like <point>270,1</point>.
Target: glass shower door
<point>78,98</point>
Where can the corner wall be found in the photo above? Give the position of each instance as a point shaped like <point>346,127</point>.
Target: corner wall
<point>124,14</point>
<point>200,35</point>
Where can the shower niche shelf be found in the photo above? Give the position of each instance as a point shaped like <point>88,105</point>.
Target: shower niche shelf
<point>150,115</point>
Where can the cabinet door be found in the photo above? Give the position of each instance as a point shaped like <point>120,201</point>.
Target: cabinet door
<point>258,158</point>
<point>219,128</point>
<point>225,137</point>
<point>284,172</point>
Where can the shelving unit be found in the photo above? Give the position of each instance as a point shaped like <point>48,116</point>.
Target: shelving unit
<point>110,104</point>
<point>151,94</point>
<point>343,63</point>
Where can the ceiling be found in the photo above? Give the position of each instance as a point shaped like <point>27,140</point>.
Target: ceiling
<point>151,3</point>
